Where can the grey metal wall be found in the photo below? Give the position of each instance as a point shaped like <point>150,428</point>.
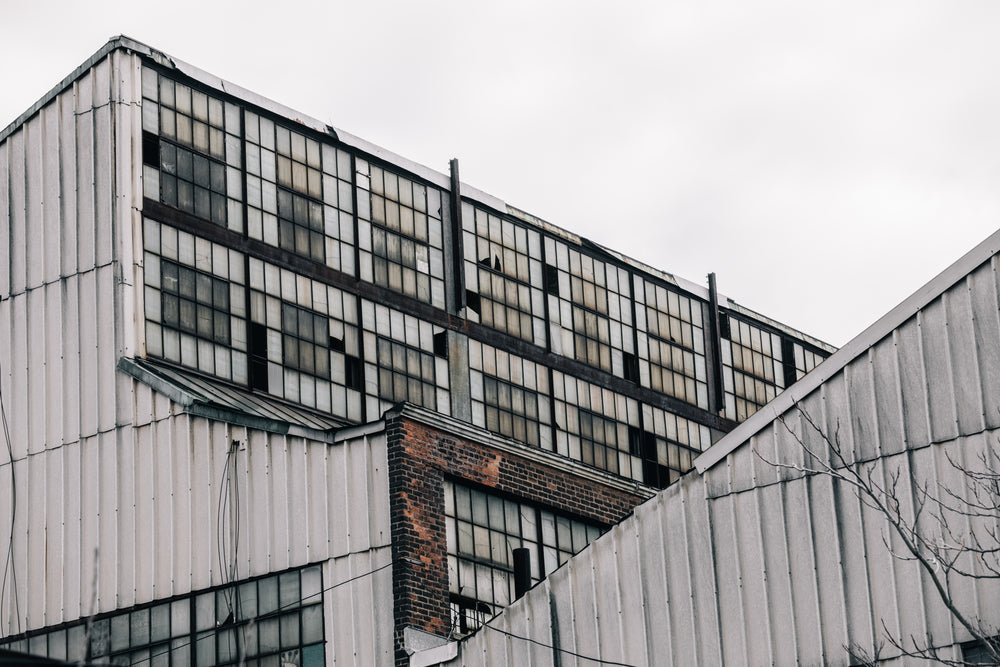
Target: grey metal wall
<point>747,564</point>
<point>117,490</point>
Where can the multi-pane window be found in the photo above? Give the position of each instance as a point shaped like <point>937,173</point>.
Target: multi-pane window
<point>277,619</point>
<point>668,445</point>
<point>400,234</point>
<point>593,425</point>
<point>503,273</point>
<point>805,360</point>
<point>671,343</point>
<point>299,193</point>
<point>191,150</point>
<point>195,302</point>
<point>483,530</point>
<point>753,372</point>
<point>590,309</point>
<point>510,395</point>
<point>303,341</point>
<point>402,363</point>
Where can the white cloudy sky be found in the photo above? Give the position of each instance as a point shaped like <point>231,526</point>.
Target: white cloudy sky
<point>825,159</point>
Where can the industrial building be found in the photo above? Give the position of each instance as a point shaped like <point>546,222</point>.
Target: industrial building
<point>781,547</point>
<point>273,394</point>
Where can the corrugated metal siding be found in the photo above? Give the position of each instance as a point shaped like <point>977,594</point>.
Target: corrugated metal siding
<point>148,499</point>
<point>749,564</point>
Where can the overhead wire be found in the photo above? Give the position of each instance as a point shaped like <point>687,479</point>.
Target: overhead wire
<point>599,661</point>
<point>170,646</point>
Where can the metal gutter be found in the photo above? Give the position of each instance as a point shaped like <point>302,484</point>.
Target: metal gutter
<point>858,346</point>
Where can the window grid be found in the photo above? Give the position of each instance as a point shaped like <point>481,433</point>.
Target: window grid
<point>510,395</point>
<point>503,266</point>
<point>196,160</point>
<point>805,360</point>
<point>591,310</point>
<point>669,445</point>
<point>405,374</point>
<point>276,293</point>
<point>482,532</point>
<point>671,343</point>
<point>603,442</point>
<point>753,373</point>
<point>280,615</point>
<point>194,302</point>
<point>299,194</point>
<point>305,340</point>
<point>401,364</point>
<point>401,232</point>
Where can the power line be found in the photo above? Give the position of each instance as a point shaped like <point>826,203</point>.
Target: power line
<point>556,648</point>
<point>170,646</point>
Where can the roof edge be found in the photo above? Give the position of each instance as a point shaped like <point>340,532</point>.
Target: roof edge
<point>857,346</point>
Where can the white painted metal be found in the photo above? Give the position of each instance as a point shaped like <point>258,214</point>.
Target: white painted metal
<point>117,489</point>
<point>746,564</point>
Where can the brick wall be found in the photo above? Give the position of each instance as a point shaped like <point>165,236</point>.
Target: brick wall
<point>420,459</point>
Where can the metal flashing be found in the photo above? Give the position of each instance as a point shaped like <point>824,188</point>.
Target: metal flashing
<point>859,345</point>
<point>213,400</point>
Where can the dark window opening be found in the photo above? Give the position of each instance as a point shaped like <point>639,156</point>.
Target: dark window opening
<point>631,367</point>
<point>473,302</point>
<point>788,361</point>
<point>353,372</point>
<point>724,331</point>
<point>150,149</point>
<point>441,344</point>
<point>551,280</point>
<point>258,356</point>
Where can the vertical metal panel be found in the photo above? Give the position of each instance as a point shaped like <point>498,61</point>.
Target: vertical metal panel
<point>963,358</point>
<point>33,201</point>
<point>776,567</point>
<point>51,192</point>
<point>936,354</point>
<point>86,210</point>
<point>584,605</point>
<point>17,398</point>
<point>652,583</point>
<point>805,594</point>
<point>861,407</point>
<point>913,383</point>
<point>728,578</point>
<point>55,509</point>
<point>72,559</point>
<point>629,584</point>
<point>358,613</point>
<point>53,374</point>
<point>67,163</point>
<point>18,242</point>
<point>607,591</point>
<point>103,112</point>
<point>35,378</point>
<point>888,406</point>
<point>5,215</point>
<point>986,315</point>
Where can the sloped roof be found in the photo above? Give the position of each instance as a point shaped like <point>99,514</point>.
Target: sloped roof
<point>210,398</point>
<point>857,347</point>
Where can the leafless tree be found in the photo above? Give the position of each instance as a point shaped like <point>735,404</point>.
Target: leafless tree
<point>949,530</point>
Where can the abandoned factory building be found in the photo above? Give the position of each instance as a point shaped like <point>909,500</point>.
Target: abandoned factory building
<point>277,395</point>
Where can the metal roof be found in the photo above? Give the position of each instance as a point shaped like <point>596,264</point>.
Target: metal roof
<point>206,397</point>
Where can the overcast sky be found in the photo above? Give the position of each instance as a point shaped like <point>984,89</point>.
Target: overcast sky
<point>824,159</point>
